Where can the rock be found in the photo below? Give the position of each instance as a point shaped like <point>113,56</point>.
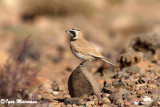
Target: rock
<point>147,41</point>
<point>132,69</point>
<point>145,100</point>
<point>49,90</point>
<point>147,44</point>
<point>105,95</point>
<point>115,96</point>
<point>140,93</point>
<point>55,92</point>
<point>155,93</point>
<point>107,90</point>
<point>156,103</point>
<point>106,100</point>
<point>135,103</point>
<point>127,103</point>
<point>90,103</point>
<point>81,83</point>
<point>55,86</point>
<point>118,84</point>
<point>129,59</point>
<point>126,94</point>
<point>47,84</point>
<point>72,101</point>
<point>142,80</point>
<point>107,83</point>
<point>158,78</point>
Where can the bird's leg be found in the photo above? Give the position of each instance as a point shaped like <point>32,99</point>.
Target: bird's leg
<point>83,63</point>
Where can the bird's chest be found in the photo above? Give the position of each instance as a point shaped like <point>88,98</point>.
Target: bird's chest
<point>77,54</point>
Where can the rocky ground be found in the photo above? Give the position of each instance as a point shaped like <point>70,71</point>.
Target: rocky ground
<point>36,61</point>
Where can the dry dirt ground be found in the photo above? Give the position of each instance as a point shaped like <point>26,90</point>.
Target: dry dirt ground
<point>36,61</point>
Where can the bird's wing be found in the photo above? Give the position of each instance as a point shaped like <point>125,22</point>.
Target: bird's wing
<point>84,47</point>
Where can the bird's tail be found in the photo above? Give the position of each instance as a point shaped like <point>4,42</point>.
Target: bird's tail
<point>106,60</point>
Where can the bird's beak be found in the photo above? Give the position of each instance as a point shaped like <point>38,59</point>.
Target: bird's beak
<point>67,31</point>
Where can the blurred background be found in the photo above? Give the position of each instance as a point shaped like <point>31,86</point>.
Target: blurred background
<point>108,24</point>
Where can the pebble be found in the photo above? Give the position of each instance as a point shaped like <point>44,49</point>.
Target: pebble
<point>55,92</point>
<point>115,96</point>
<point>140,93</point>
<point>49,90</point>
<point>132,69</point>
<point>156,103</point>
<point>72,101</point>
<point>135,103</point>
<point>146,100</point>
<point>107,90</point>
<point>90,103</point>
<point>127,103</point>
<point>106,100</point>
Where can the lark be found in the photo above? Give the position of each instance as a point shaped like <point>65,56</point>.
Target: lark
<point>82,49</point>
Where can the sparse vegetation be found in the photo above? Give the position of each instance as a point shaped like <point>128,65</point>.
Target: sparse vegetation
<point>17,77</point>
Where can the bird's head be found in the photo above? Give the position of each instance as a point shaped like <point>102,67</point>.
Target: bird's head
<point>74,32</point>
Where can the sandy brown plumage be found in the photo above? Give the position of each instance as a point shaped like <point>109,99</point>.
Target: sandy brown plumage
<point>82,46</point>
<point>82,49</point>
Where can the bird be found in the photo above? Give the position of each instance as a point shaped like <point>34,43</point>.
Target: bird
<point>82,49</point>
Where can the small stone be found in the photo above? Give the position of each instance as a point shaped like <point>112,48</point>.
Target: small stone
<point>72,101</point>
<point>135,103</point>
<point>107,83</point>
<point>127,103</point>
<point>106,100</point>
<point>119,102</point>
<point>81,83</point>
<point>140,93</point>
<point>132,69</point>
<point>158,78</point>
<point>126,95</point>
<point>156,103</point>
<point>154,93</point>
<point>39,96</point>
<point>132,99</point>
<point>90,103</point>
<point>152,86</point>
<point>115,96</point>
<point>107,90</point>
<point>55,86</point>
<point>146,100</point>
<point>143,80</point>
<point>55,92</point>
<point>49,90</point>
<point>105,95</point>
<point>47,84</point>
